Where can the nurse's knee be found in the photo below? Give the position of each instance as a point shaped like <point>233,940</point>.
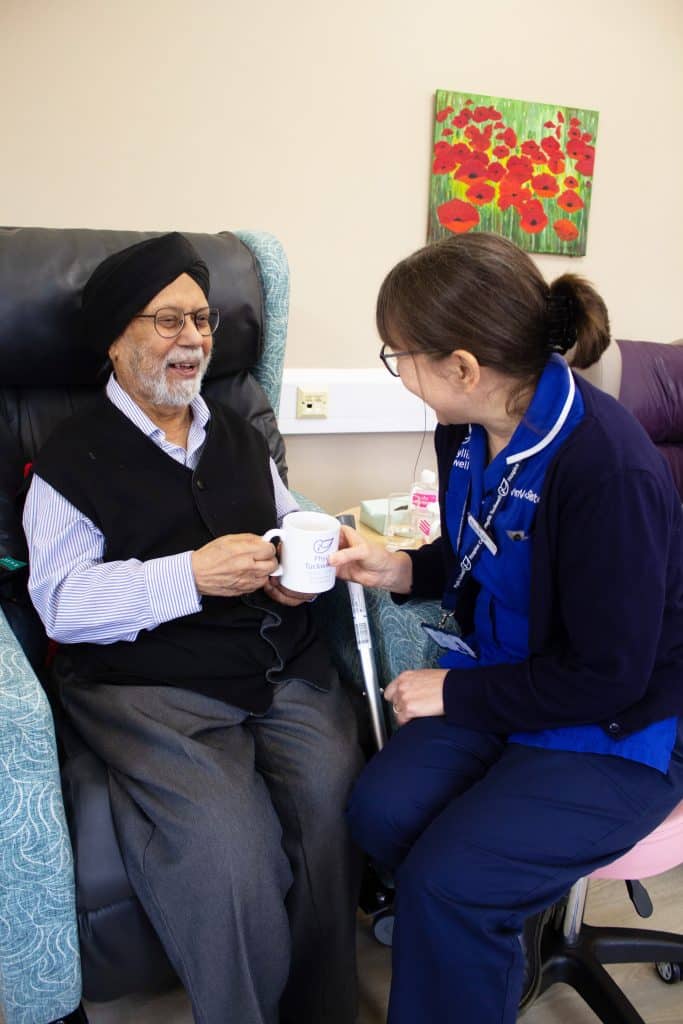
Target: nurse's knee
<point>376,816</point>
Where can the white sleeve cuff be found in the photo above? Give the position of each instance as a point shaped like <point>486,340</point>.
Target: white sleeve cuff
<point>171,587</point>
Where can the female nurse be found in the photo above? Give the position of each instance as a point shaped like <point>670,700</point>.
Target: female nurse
<point>549,739</point>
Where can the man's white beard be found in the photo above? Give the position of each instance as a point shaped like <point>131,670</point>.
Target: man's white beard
<point>153,382</point>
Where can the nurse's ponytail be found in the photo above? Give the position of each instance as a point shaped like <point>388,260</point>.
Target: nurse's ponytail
<point>578,323</point>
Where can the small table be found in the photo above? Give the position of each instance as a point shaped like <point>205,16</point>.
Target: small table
<point>393,543</point>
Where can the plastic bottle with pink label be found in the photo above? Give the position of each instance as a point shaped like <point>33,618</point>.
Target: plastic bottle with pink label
<point>425,519</point>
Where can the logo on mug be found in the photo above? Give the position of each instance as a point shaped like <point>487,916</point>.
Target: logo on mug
<point>321,547</point>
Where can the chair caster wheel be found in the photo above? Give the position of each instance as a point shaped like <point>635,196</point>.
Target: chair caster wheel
<point>669,972</point>
<point>383,927</point>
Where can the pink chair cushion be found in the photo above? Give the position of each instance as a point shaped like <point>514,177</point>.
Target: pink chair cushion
<point>656,853</point>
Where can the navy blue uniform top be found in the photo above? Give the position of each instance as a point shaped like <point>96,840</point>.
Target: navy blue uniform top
<point>578,618</point>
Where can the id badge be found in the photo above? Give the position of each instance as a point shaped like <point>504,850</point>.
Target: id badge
<point>448,641</point>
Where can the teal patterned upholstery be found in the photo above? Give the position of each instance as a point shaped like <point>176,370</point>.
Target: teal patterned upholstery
<point>40,976</point>
<point>398,641</point>
<point>273,270</point>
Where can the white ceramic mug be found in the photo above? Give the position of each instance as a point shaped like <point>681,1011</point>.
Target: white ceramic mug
<point>307,540</point>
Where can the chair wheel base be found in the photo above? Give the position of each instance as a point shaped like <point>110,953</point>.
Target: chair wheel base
<point>669,972</point>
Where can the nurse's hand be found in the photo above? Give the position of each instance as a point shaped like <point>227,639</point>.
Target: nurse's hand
<point>371,564</point>
<point>417,694</point>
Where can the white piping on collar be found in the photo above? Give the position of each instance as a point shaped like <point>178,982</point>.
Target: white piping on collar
<point>554,430</point>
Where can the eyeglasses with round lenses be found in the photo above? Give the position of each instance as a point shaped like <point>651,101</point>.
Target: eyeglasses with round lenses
<point>390,359</point>
<point>168,322</point>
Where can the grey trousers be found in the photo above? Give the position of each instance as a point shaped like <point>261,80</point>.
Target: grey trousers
<point>233,834</point>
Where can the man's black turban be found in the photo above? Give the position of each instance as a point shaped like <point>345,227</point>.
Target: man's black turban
<point>125,282</point>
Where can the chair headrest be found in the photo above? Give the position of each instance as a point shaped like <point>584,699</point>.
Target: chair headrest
<point>42,273</point>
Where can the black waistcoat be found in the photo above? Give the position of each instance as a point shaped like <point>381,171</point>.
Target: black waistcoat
<point>147,505</point>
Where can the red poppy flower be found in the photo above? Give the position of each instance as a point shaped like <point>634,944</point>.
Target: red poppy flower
<point>480,140</point>
<point>544,185</point>
<point>480,158</point>
<point>460,121</point>
<point>574,121</point>
<point>481,193</point>
<point>574,133</point>
<point>495,172</point>
<point>570,201</point>
<point>576,149</point>
<point>548,124</point>
<point>558,132</point>
<point>457,216</point>
<point>509,138</point>
<point>586,163</point>
<point>445,160</point>
<point>520,167</point>
<point>469,102</point>
<point>532,218</point>
<point>501,152</point>
<point>586,137</point>
<point>560,117</point>
<point>471,170</point>
<point>461,151</point>
<point>571,182</point>
<point>565,230</point>
<point>441,115</point>
<point>529,147</point>
<point>513,193</point>
<point>486,114</point>
<point>550,144</point>
<point>555,165</point>
<point>447,131</point>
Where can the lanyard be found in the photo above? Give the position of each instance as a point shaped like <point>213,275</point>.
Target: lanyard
<point>483,540</point>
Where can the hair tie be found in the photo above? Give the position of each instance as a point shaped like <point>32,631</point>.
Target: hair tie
<point>562,331</point>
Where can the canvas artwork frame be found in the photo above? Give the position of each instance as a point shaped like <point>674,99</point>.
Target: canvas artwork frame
<point>520,169</point>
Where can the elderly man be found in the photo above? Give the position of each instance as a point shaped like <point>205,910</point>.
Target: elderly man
<point>198,680</point>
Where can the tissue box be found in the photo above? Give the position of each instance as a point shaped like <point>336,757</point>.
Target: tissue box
<point>375,512</point>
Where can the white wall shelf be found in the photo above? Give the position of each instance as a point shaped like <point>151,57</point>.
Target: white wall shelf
<point>360,401</point>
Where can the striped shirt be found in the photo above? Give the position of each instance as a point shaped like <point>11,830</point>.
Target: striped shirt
<point>79,597</point>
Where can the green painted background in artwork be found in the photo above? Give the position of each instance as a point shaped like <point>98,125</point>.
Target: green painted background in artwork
<point>527,119</point>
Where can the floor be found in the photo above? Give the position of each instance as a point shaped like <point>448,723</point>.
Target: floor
<point>608,904</point>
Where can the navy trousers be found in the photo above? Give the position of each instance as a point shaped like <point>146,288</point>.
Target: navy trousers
<point>480,834</point>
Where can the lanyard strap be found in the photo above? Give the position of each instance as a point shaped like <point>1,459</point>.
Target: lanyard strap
<point>467,562</point>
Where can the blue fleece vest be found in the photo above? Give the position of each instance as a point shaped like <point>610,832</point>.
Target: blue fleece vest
<point>501,613</point>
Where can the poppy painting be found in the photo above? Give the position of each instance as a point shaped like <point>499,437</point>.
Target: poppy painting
<point>522,170</point>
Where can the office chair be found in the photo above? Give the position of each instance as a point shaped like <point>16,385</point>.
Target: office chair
<point>574,952</point>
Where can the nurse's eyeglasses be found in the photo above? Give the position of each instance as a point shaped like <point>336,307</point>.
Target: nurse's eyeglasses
<point>390,359</point>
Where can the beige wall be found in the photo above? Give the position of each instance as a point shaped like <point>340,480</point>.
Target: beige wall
<point>312,120</point>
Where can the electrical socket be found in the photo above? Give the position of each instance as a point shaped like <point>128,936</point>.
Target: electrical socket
<point>311,405</point>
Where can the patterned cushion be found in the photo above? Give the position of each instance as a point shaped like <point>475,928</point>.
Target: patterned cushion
<point>40,977</point>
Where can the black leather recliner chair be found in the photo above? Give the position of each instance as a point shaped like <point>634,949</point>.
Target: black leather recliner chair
<point>47,373</point>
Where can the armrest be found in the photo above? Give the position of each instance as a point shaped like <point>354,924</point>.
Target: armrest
<point>40,975</point>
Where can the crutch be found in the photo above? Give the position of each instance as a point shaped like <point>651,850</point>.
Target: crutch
<point>377,891</point>
<point>373,692</point>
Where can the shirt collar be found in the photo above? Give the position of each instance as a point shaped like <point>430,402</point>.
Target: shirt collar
<point>125,404</point>
<point>547,413</point>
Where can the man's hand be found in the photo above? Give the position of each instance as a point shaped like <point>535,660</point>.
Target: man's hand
<point>237,563</point>
<point>282,595</point>
<point>416,694</point>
